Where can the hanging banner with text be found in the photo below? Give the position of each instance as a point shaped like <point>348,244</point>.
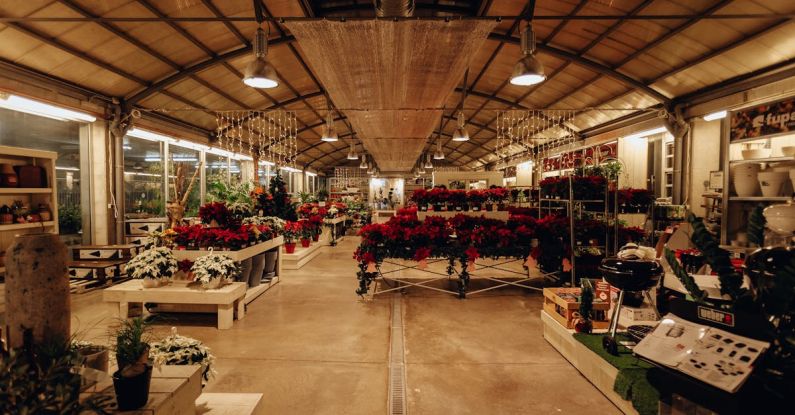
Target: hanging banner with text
<point>763,120</point>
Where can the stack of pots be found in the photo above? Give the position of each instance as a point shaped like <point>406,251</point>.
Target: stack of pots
<point>745,180</point>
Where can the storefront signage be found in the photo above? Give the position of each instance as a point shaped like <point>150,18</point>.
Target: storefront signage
<point>763,120</point>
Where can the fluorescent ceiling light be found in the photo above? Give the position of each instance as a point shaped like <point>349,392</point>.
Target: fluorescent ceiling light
<point>67,168</point>
<point>715,115</point>
<point>644,134</point>
<point>176,159</point>
<point>149,135</point>
<point>191,145</point>
<point>310,174</point>
<point>17,103</point>
<point>266,163</point>
<point>291,169</point>
<point>135,173</point>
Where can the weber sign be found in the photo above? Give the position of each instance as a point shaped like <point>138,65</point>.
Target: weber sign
<point>763,120</point>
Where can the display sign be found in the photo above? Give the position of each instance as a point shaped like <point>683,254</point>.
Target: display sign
<point>763,120</point>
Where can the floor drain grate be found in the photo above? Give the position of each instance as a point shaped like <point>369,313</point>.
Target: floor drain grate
<point>397,370</point>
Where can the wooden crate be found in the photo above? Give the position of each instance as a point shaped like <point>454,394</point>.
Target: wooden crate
<point>562,303</point>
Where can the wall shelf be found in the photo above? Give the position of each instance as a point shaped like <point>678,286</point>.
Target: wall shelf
<point>30,225</point>
<point>24,190</point>
<point>764,160</point>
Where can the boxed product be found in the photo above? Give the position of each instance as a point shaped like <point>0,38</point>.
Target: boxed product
<point>562,304</point>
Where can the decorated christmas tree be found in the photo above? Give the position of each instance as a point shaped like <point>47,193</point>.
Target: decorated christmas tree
<point>277,201</point>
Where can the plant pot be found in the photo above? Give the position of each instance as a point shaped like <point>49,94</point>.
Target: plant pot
<point>246,267</point>
<point>746,186</point>
<point>271,259</point>
<point>476,208</point>
<point>305,242</point>
<point>289,247</point>
<point>459,208</point>
<point>489,207</point>
<point>94,357</point>
<point>437,208</point>
<point>8,176</point>
<point>257,268</point>
<point>423,208</point>
<point>150,283</point>
<point>132,392</point>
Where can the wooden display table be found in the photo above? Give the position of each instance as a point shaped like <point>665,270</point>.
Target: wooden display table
<point>225,299</point>
<point>173,391</point>
<point>241,255</point>
<point>383,216</point>
<point>494,214</point>
<point>335,224</point>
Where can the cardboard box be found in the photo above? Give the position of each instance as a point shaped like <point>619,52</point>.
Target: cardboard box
<point>562,303</point>
<point>634,315</point>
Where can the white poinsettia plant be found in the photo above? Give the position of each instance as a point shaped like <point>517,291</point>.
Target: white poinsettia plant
<point>240,208</point>
<point>276,224</point>
<point>181,350</point>
<point>154,263</point>
<point>332,212</point>
<point>209,268</point>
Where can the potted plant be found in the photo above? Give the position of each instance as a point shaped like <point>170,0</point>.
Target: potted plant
<point>180,350</point>
<point>215,214</point>
<point>292,231</point>
<point>498,196</point>
<point>457,200</point>
<point>515,195</point>
<point>476,199</point>
<point>316,222</point>
<point>154,266</point>
<point>420,197</point>
<point>131,381</point>
<point>438,197</point>
<point>306,233</point>
<point>213,270</point>
<point>94,356</point>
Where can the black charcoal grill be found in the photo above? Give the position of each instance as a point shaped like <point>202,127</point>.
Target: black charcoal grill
<point>627,274</point>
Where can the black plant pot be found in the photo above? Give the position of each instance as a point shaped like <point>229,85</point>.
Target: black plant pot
<point>132,392</point>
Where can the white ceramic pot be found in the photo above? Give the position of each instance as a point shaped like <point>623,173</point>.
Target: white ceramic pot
<point>746,168</point>
<point>781,218</point>
<point>772,182</point>
<point>746,186</point>
<point>756,153</point>
<point>150,283</point>
<point>788,151</point>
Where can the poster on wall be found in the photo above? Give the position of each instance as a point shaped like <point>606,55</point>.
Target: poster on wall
<point>763,120</point>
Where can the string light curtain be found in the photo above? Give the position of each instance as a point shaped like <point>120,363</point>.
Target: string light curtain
<point>266,136</point>
<point>533,134</point>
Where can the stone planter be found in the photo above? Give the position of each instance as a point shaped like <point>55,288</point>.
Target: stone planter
<point>271,260</point>
<point>245,269</point>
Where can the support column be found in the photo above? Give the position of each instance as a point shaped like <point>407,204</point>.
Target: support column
<point>97,192</point>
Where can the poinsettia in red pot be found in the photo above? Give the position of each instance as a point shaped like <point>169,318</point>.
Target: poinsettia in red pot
<point>292,231</point>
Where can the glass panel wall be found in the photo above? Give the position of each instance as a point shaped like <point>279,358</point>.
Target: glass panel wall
<point>143,178</point>
<point>18,129</point>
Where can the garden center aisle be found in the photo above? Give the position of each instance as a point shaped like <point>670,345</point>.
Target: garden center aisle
<point>311,346</point>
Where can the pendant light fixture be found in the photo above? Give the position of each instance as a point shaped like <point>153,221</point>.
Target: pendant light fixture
<point>529,70</point>
<point>329,133</point>
<point>352,152</point>
<point>439,154</point>
<point>428,164</point>
<point>461,133</point>
<point>363,164</point>
<point>370,169</point>
<point>259,72</point>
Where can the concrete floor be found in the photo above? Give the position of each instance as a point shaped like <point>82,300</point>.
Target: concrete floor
<point>311,346</point>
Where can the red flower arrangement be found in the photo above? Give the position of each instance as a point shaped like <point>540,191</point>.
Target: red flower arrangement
<point>497,194</point>
<point>477,197</point>
<point>420,197</point>
<point>215,211</point>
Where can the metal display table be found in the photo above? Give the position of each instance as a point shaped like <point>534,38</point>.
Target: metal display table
<point>459,275</point>
<point>337,226</point>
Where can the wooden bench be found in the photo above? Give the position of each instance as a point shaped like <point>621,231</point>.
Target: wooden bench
<point>226,299</point>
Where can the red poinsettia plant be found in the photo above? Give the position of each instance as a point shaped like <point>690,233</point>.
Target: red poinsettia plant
<point>215,211</point>
<point>477,197</point>
<point>498,194</point>
<point>438,196</point>
<point>292,231</point>
<point>420,197</point>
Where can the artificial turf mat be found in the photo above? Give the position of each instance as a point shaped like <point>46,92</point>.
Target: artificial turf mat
<point>632,381</point>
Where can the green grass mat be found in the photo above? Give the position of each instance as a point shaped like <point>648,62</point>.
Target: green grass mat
<point>632,382</point>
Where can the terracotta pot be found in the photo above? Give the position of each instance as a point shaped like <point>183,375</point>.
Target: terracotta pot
<point>289,247</point>
<point>305,242</point>
<point>8,177</point>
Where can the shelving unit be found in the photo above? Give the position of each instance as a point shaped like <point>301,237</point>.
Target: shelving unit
<point>735,209</point>
<point>30,197</point>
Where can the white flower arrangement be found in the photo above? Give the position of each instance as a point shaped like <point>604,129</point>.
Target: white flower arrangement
<point>180,350</point>
<point>332,212</point>
<point>240,208</point>
<point>273,222</point>
<point>154,263</point>
<point>210,268</point>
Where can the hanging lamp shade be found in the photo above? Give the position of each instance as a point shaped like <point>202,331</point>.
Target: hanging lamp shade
<point>461,133</point>
<point>528,70</point>
<point>428,164</point>
<point>370,168</point>
<point>329,133</point>
<point>363,164</point>
<point>259,73</point>
<point>438,154</point>
<point>352,153</point>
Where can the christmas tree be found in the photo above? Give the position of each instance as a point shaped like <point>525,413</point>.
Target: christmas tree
<point>277,201</point>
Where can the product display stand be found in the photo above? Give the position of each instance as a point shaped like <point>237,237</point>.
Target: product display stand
<point>241,255</point>
<point>337,226</point>
<point>462,283</point>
